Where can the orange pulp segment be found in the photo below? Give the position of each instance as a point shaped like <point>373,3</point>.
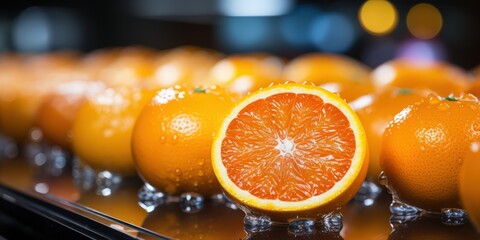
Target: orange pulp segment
<point>291,147</point>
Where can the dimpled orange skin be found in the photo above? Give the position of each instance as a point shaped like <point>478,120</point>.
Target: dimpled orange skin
<point>172,140</point>
<point>469,188</point>
<point>103,128</point>
<point>242,74</point>
<point>376,116</point>
<point>423,148</point>
<point>440,77</point>
<point>337,73</point>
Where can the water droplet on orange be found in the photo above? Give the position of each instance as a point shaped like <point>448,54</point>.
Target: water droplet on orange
<point>433,99</point>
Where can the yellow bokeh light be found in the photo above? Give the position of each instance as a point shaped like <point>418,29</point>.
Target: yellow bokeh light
<point>378,17</point>
<point>424,21</point>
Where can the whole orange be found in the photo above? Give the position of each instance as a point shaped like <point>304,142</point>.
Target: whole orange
<point>469,179</point>
<point>173,136</point>
<point>127,70</point>
<point>337,73</point>
<point>58,111</point>
<point>423,149</point>
<point>245,73</point>
<point>187,66</point>
<point>102,130</point>
<point>376,115</point>
<point>441,77</point>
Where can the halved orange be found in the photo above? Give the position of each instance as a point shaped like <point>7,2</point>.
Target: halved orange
<point>291,151</point>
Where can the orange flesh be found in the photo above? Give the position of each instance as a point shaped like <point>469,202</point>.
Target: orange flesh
<point>298,147</point>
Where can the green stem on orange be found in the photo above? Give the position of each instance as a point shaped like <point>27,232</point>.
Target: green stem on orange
<point>404,91</point>
<point>199,90</point>
<point>451,98</point>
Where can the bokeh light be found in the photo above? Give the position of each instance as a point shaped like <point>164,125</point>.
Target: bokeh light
<point>295,26</point>
<point>244,34</point>
<point>32,31</point>
<point>378,17</point>
<point>333,32</point>
<point>424,21</point>
<point>40,29</point>
<point>422,50</point>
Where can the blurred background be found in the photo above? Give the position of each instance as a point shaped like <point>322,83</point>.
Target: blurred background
<point>371,31</point>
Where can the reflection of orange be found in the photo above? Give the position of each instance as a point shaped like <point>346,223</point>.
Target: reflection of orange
<point>58,111</point>
<point>362,222</point>
<point>186,66</point>
<point>376,115</point>
<point>103,128</point>
<point>469,180</point>
<point>291,151</point>
<point>17,173</point>
<point>172,139</point>
<point>336,73</point>
<point>242,74</point>
<point>433,228</point>
<point>60,186</point>
<point>423,148</point>
<point>282,232</point>
<point>214,221</point>
<point>122,204</point>
<point>442,78</point>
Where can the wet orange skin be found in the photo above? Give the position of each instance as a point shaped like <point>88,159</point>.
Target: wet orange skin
<point>422,150</point>
<point>172,140</point>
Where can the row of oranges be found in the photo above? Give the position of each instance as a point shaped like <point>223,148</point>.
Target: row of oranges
<point>133,109</point>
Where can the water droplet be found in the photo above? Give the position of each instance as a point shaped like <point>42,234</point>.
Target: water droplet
<point>201,161</point>
<point>178,171</point>
<point>163,139</point>
<point>476,126</point>
<point>469,97</point>
<point>175,139</point>
<point>200,173</point>
<point>177,179</point>
<point>382,179</point>
<point>422,148</point>
<point>195,184</point>
<point>433,99</point>
<point>460,160</point>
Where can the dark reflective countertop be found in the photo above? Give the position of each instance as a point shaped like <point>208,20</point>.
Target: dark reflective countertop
<point>120,211</point>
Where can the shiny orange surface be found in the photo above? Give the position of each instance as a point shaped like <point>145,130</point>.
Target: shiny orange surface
<point>423,149</point>
<point>171,141</point>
